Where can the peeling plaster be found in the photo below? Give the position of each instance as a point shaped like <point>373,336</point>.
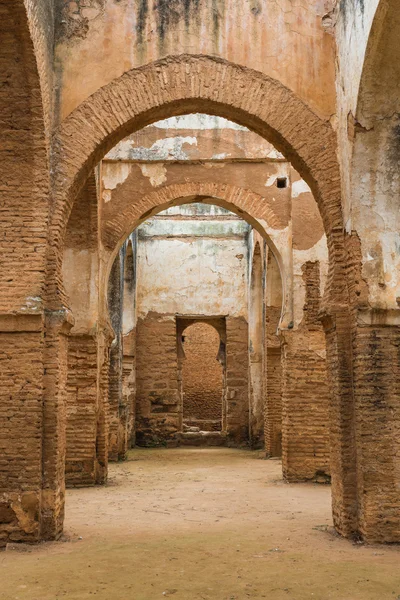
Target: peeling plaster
<point>319,252</point>
<point>116,175</point>
<point>198,121</point>
<point>156,173</point>
<point>271,180</point>
<point>299,187</point>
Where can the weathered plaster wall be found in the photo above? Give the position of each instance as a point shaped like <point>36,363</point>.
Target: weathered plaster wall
<point>100,40</point>
<point>353,25</point>
<point>193,266</point>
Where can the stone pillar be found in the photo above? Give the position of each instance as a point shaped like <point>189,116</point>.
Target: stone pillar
<point>128,400</point>
<point>237,380</point>
<point>305,392</point>
<point>126,436</point>
<point>257,349</point>
<point>339,326</point>
<point>273,366</point>
<point>104,340</point>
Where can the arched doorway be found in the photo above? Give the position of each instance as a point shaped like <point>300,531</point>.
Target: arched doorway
<point>202,374</point>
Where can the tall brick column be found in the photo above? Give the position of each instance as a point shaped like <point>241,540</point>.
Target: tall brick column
<point>273,402</point>
<point>21,418</point>
<point>305,406</point>
<point>376,355</point>
<point>237,380</point>
<point>338,327</point>
<point>57,326</point>
<point>80,464</point>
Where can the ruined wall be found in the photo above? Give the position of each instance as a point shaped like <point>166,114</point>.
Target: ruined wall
<point>99,41</point>
<point>202,378</point>
<point>193,266</point>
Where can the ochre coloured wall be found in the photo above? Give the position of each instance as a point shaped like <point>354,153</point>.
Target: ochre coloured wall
<point>202,378</point>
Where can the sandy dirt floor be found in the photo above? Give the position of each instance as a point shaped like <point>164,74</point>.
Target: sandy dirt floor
<point>204,524</point>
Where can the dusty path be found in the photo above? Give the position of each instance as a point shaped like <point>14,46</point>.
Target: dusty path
<point>204,524</point>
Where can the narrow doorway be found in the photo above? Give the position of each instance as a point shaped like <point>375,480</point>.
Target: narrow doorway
<point>202,374</point>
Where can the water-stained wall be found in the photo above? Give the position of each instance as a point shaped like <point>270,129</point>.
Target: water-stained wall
<point>99,40</point>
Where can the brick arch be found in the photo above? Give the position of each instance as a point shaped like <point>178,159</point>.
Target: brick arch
<point>245,203</point>
<point>24,179</point>
<point>195,83</point>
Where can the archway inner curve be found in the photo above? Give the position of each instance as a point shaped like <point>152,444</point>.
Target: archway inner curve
<point>280,251</point>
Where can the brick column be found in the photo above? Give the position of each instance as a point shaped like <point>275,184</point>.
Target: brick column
<point>126,438</point>
<point>158,404</point>
<point>338,327</point>
<point>376,355</point>
<point>57,326</point>
<point>80,464</point>
<point>237,380</point>
<point>21,419</point>
<point>273,403</point>
<point>305,406</point>
<point>104,339</point>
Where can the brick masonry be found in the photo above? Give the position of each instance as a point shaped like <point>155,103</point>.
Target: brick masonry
<point>81,410</point>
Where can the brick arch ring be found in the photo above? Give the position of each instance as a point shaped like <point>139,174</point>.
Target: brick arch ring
<point>195,83</point>
<point>243,202</point>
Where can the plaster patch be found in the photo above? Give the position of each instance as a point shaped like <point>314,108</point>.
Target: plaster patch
<point>163,149</point>
<point>271,180</point>
<point>156,173</point>
<point>299,187</point>
<point>115,175</point>
<point>198,121</point>
<point>221,156</point>
<point>275,154</point>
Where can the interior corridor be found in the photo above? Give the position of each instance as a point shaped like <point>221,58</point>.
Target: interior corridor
<point>199,524</point>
